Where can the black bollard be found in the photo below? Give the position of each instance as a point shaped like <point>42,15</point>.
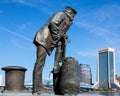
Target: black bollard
<point>14,78</point>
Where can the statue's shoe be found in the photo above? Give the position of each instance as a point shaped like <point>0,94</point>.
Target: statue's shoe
<point>40,92</point>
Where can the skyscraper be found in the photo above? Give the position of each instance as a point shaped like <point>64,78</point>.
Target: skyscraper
<point>106,69</point>
<point>85,74</point>
<point>0,80</point>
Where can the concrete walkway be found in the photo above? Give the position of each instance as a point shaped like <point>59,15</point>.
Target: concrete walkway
<point>25,94</point>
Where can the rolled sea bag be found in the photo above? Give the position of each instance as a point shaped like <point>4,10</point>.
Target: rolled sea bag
<point>70,78</point>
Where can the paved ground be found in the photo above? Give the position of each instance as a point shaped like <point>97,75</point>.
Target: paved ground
<point>27,94</point>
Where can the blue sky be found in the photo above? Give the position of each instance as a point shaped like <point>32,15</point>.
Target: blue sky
<point>96,26</point>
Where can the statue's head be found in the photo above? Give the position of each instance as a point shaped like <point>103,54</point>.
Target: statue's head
<point>70,12</point>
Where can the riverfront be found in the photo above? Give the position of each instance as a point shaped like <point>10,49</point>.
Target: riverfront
<point>52,94</point>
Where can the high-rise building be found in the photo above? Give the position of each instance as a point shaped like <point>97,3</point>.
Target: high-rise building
<point>106,69</point>
<point>85,74</point>
<point>0,80</point>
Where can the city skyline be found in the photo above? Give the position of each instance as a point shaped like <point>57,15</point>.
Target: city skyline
<point>96,26</point>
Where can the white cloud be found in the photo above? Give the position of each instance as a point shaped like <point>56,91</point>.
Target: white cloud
<point>45,6</point>
<point>41,5</point>
<point>86,53</point>
<point>25,2</point>
<point>103,23</point>
<point>15,33</point>
<point>16,43</point>
<point>22,26</point>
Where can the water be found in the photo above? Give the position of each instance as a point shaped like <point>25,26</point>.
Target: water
<point>99,94</point>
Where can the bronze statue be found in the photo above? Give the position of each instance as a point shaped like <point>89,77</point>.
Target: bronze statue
<point>51,35</point>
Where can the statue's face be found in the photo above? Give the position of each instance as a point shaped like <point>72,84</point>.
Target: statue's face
<point>70,13</point>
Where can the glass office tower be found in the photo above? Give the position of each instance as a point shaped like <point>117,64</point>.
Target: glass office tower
<point>106,69</point>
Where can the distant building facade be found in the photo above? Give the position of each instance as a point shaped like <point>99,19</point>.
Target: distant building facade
<point>117,78</point>
<point>48,81</point>
<point>0,80</point>
<point>85,74</point>
<point>106,69</point>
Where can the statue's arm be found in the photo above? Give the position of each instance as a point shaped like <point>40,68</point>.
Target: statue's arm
<point>55,23</point>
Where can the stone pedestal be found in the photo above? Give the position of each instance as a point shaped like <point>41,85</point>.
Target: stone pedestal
<point>14,78</point>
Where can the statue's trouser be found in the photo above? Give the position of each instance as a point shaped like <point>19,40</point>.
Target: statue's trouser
<point>38,68</point>
<point>56,83</point>
<point>56,70</point>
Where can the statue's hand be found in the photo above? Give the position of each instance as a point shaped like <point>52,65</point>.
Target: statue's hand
<point>59,43</point>
<point>67,38</point>
<point>56,69</point>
